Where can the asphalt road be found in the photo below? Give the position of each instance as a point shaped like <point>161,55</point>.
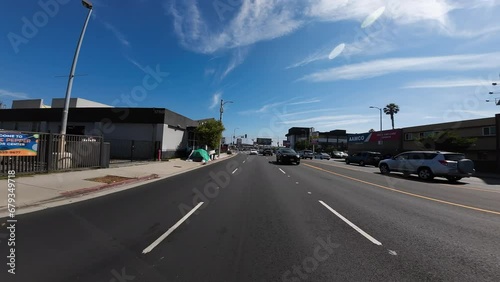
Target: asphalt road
<point>248,219</point>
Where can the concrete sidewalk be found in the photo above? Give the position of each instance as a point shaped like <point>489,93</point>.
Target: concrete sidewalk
<point>37,190</point>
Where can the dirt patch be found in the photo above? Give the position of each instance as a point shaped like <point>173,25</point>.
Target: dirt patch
<point>108,179</point>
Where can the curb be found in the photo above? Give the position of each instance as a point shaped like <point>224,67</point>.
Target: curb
<point>105,186</point>
<point>83,191</point>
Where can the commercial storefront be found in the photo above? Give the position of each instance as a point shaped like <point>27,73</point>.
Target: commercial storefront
<point>483,151</point>
<point>388,142</point>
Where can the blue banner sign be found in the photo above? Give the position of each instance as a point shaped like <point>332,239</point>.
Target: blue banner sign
<point>18,144</point>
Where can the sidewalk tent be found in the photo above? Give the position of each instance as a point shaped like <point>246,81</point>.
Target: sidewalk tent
<point>200,154</point>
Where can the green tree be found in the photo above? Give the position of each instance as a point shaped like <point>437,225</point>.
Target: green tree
<point>210,133</point>
<point>391,109</point>
<point>447,141</point>
<point>302,145</point>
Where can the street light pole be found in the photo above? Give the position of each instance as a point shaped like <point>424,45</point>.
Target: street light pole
<point>234,135</point>
<point>380,109</point>
<point>222,103</point>
<point>87,4</point>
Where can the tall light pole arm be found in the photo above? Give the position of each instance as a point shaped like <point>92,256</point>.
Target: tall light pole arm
<point>72,72</point>
<point>380,109</point>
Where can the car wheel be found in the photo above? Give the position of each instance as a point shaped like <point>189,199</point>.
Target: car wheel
<point>361,163</point>
<point>347,162</point>
<point>384,169</point>
<point>297,163</point>
<point>425,174</point>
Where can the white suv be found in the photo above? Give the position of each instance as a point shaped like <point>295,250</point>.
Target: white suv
<point>428,164</point>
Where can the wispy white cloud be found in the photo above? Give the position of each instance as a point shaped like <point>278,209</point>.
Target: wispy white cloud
<point>238,57</point>
<point>337,124</point>
<point>402,12</point>
<point>310,101</point>
<point>329,122</point>
<point>308,112</point>
<point>391,65</point>
<point>209,71</point>
<point>255,21</point>
<point>261,20</point>
<point>118,35</point>
<point>11,94</point>
<point>135,63</point>
<point>321,54</point>
<point>449,83</point>
<point>480,114</point>
<point>374,43</point>
<point>323,119</point>
<point>472,33</point>
<point>215,100</point>
<point>266,108</point>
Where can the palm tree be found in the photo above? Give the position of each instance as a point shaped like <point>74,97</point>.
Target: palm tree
<point>391,110</point>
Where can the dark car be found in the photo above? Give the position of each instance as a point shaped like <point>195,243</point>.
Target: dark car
<point>286,155</point>
<point>364,158</point>
<point>267,152</point>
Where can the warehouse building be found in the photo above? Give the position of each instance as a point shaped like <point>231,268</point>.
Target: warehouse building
<point>134,133</point>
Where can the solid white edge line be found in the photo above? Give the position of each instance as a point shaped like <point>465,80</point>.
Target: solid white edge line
<point>282,171</point>
<point>170,230</point>
<point>373,240</point>
<point>234,171</point>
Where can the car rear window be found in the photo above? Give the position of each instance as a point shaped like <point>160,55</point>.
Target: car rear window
<point>430,156</point>
<point>454,157</point>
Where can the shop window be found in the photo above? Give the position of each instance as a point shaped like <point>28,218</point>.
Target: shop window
<point>489,131</point>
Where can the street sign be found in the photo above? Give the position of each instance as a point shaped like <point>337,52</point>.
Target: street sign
<point>264,141</point>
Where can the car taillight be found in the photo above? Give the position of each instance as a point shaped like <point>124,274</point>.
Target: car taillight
<point>443,162</point>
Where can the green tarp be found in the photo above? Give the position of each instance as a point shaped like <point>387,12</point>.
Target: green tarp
<point>200,153</point>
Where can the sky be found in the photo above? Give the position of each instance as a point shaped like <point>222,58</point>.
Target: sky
<point>282,63</point>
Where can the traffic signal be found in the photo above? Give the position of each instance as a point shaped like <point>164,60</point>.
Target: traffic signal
<point>245,136</point>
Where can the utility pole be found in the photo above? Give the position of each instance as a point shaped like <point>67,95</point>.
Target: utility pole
<point>222,103</point>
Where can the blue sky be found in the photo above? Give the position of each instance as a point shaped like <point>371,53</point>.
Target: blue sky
<point>311,63</point>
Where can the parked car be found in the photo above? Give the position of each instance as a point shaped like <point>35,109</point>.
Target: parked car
<point>322,156</point>
<point>267,152</point>
<point>286,155</point>
<point>253,152</point>
<point>429,164</point>
<point>339,155</point>
<point>306,154</point>
<point>364,158</point>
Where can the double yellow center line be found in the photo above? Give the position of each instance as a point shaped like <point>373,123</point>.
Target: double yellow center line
<point>404,192</point>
